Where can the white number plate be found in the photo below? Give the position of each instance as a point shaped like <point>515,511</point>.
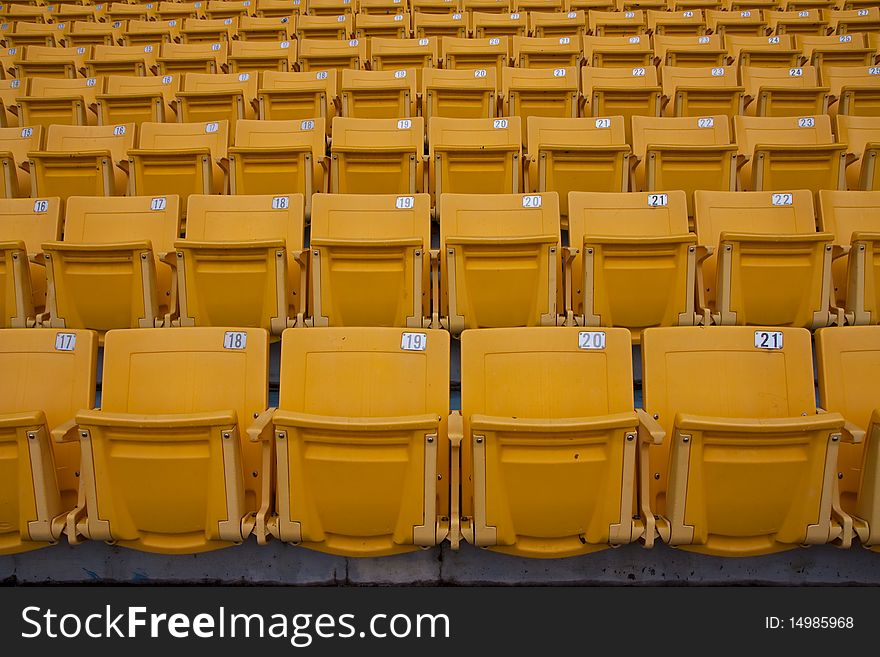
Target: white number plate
<point>65,341</point>
<point>591,340</point>
<point>768,339</point>
<point>414,341</point>
<point>235,340</point>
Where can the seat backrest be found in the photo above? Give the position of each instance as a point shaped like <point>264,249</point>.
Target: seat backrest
<point>328,53</point>
<point>679,131</point>
<point>367,134</point>
<point>838,77</point>
<point>808,43</point>
<point>171,136</point>
<point>368,82</point>
<point>381,25</point>
<point>474,134</point>
<point>273,134</point>
<point>498,215</point>
<point>545,132</point>
<point>736,43</point>
<point>371,216</point>
<point>32,221</point>
<point>474,53</point>
<point>635,42</point>
<point>606,23</point>
<point>845,213</point>
<point>454,23</point>
<point>147,53</point>
<point>404,53</point>
<point>75,55</point>
<point>213,218</point>
<point>756,77</point>
<point>858,131</point>
<point>206,51</point>
<point>666,42</point>
<point>637,77</point>
<point>311,26</point>
<point>60,87</point>
<point>752,131</point>
<point>72,138</point>
<point>299,80</point>
<point>625,214</point>
<point>752,212</point>
<point>246,83</point>
<point>19,141</point>
<point>709,77</point>
<point>848,364</point>
<point>122,85</point>
<point>552,23</point>
<point>539,80</point>
<point>262,49</point>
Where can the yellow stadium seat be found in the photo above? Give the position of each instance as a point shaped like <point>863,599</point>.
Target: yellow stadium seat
<point>686,22</point>
<point>548,92</point>
<point>776,50</point>
<point>211,30</point>
<point>217,97</point>
<point>36,34</point>
<point>171,9</point>
<point>624,242</point>
<point>856,89</point>
<point>486,6</point>
<point>58,100</point>
<point>27,12</point>
<point>48,376</point>
<point>279,157</point>
<point>397,54</point>
<point>123,11</point>
<point>704,50</point>
<point>590,5</point>
<point>485,25</point>
<point>537,5</point>
<point>547,52</point>
<point>280,8</point>
<point>147,32</point>
<point>845,21</point>
<point>743,22</point>
<point>134,99</point>
<point>762,261</point>
<point>51,62</point>
<point>854,219</point>
<point>500,260</point>
<point>331,8</point>
<point>835,50</point>
<point>848,362</point>
<point>24,225</point>
<point>378,94</point>
<point>584,155</point>
<point>256,56</point>
<point>460,94</point>
<point>617,23</point>
<point>362,472</point>
<point>475,156</point>
<point>298,96</point>
<point>179,158</point>
<point>229,8</point>
<point>152,427</point>
<point>324,54</point>
<point>435,6</point>
<point>699,91</point>
<point>548,467</point>
<point>81,160</point>
<point>138,60</point>
<point>377,156</point>
<point>683,153</point>
<point>794,91</point>
<point>805,21</point>
<point>623,51</point>
<point>382,6</point>
<point>748,464</point>
<point>792,152</point>
<point>624,92</point>
<point>384,26</point>
<point>544,24</point>
<point>271,28</point>
<point>15,144</point>
<point>241,263</point>
<point>475,53</point>
<point>440,25</point>
<point>861,134</point>
<point>110,270</point>
<point>192,58</point>
<point>325,27</point>
<point>370,260</point>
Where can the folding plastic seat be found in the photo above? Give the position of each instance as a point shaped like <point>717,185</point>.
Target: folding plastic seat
<point>370,260</point>
<point>123,11</point>
<point>241,262</point>
<point>377,156</point>
<point>325,28</point>
<point>762,261</point>
<point>525,491</point>
<point>48,376</point>
<point>682,23</point>
<point>748,464</point>
<point>24,225</point>
<point>856,89</point>
<point>776,50</point>
<point>217,97</point>
<point>280,8</point>
<point>544,24</point>
<point>146,32</point>
<point>617,23</point>
<point>386,26</point>
<point>297,96</point>
<point>618,51</point>
<point>378,94</point>
<point>87,33</point>
<point>784,91</point>
<point>500,262</point>
<point>81,160</point>
<point>434,6</point>
<point>861,134</point>
<point>397,54</point>
<point>804,21</point>
<point>111,270</point>
<point>440,25</point>
<point>485,25</point>
<point>200,30</point>
<point>854,219</point>
<point>745,22</point>
<point>324,54</point>
<point>626,241</point>
<point>192,58</point>
<point>702,91</point>
<point>331,7</point>
<point>845,21</point>
<point>36,34</point>
<point>473,54</point>
<point>549,52</point>
<point>179,158</point>
<point>706,50</point>
<point>51,62</point>
<point>835,50</point>
<point>475,156</point>
<point>683,153</point>
<point>58,100</point>
<point>229,8</point>
<point>168,10</point>
<point>540,92</point>
<point>789,153</point>
<point>459,93</point>
<point>15,144</point>
<point>279,157</point>
<point>624,92</point>
<point>139,60</point>
<point>131,99</point>
<point>379,486</point>
<point>486,6</point>
<point>382,7</point>
<point>272,28</point>
<point>565,155</point>
<point>256,56</point>
<point>187,431</point>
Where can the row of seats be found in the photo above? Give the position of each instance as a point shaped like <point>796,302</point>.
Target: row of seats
<point>548,456</point>
<point>755,258</point>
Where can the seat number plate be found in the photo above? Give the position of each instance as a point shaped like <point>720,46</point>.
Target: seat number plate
<point>591,340</point>
<point>768,339</point>
<point>65,341</point>
<point>413,342</point>
<point>235,340</point>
